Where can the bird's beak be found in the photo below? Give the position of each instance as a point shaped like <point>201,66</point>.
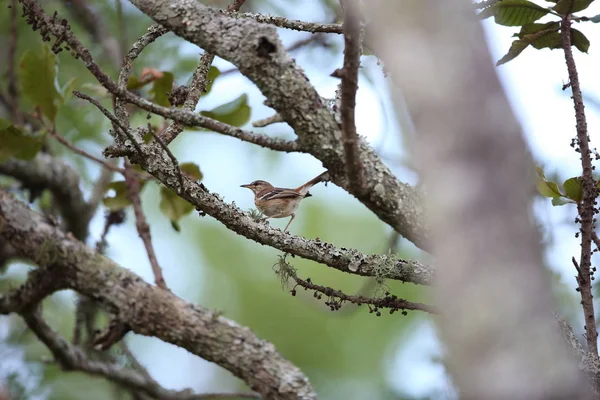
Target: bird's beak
<point>246,186</point>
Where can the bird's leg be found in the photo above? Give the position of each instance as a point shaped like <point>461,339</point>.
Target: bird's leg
<point>288,225</point>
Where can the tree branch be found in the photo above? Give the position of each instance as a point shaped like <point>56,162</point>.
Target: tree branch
<point>349,75</point>
<point>294,24</point>
<point>71,358</point>
<point>148,310</point>
<point>46,172</point>
<point>587,208</point>
<point>260,56</point>
<point>133,191</point>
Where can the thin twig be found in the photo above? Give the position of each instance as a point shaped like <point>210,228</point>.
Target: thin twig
<point>195,90</point>
<point>349,75</point>
<point>133,190</point>
<point>154,32</point>
<point>336,298</point>
<point>273,119</point>
<point>112,118</point>
<point>85,154</point>
<point>11,76</point>
<point>198,84</point>
<point>35,14</point>
<point>297,25</point>
<point>586,209</point>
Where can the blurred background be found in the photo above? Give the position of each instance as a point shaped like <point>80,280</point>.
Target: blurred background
<point>348,354</point>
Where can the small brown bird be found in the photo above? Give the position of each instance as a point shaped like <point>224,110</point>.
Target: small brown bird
<point>276,202</point>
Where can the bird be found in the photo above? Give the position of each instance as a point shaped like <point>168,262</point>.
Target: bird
<point>276,202</point>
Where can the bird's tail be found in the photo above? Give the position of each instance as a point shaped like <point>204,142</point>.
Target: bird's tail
<point>324,177</point>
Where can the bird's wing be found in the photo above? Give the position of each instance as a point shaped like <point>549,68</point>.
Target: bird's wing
<point>279,193</point>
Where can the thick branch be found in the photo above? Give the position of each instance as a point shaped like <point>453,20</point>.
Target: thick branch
<point>72,359</point>
<point>346,260</point>
<point>260,56</point>
<point>46,172</point>
<point>147,309</point>
<point>586,209</point>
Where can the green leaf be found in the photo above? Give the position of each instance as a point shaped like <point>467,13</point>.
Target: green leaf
<point>37,74</point>
<point>236,112</point>
<point>516,48</point>
<point>541,35</point>
<point>213,74</point>
<point>18,144</point>
<point>579,40</point>
<point>173,206</point>
<point>67,90</point>
<point>559,201</point>
<point>120,200</point>
<point>565,7</point>
<point>573,189</point>
<point>595,19</point>
<point>192,170</point>
<point>514,12</point>
<point>161,89</point>
<point>548,189</point>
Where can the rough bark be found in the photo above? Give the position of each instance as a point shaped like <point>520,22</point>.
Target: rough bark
<point>65,263</point>
<point>260,55</point>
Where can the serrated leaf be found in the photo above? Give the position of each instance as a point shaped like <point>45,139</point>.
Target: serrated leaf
<point>213,74</point>
<point>579,40</point>
<point>548,189</point>
<point>120,200</point>
<point>235,112</point>
<point>565,7</point>
<point>173,206</point>
<point>18,144</point>
<point>513,12</point>
<point>559,201</point>
<point>192,170</point>
<point>161,89</point>
<point>573,189</point>
<point>37,74</point>
<point>516,48</point>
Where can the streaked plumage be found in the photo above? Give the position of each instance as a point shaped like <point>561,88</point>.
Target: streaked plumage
<point>276,202</point>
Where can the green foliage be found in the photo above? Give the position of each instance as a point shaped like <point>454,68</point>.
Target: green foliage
<point>573,189</point>
<point>514,12</point>
<point>17,143</point>
<point>539,35</point>
<point>120,200</point>
<point>37,79</point>
<point>161,88</point>
<point>515,49</point>
<point>173,206</point>
<point>579,40</point>
<point>565,7</point>
<point>235,112</point>
<point>213,74</point>
<point>192,170</point>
